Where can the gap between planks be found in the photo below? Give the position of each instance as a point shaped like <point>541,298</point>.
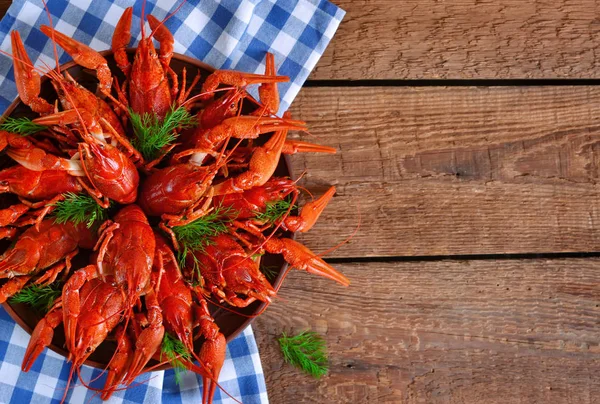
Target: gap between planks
<point>452,83</point>
<point>470,257</point>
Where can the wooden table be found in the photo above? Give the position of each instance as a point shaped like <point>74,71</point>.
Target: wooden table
<point>472,154</point>
<point>469,146</point>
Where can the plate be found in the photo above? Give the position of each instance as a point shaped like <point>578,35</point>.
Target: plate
<point>229,321</point>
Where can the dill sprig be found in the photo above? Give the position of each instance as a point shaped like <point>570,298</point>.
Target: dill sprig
<point>307,351</point>
<point>174,351</point>
<point>274,211</point>
<point>41,298</point>
<point>22,126</point>
<point>195,236</point>
<point>182,255</point>
<point>152,134</point>
<point>79,208</point>
<point>270,272</point>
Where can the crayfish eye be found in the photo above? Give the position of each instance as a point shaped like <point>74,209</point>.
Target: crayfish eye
<point>88,349</point>
<point>232,106</point>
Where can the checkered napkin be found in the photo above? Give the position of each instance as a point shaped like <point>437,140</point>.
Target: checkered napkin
<point>233,34</point>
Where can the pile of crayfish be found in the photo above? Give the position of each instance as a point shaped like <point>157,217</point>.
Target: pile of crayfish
<point>185,218</point>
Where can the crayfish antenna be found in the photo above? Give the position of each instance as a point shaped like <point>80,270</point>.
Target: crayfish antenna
<point>55,50</point>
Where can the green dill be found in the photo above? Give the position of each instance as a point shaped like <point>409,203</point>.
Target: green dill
<point>41,298</point>
<point>182,255</point>
<point>270,272</point>
<point>152,134</point>
<point>307,351</point>
<point>22,126</point>
<point>78,208</point>
<point>174,351</point>
<point>195,236</point>
<point>274,211</point>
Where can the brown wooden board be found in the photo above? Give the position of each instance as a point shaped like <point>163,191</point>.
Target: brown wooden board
<point>458,170</point>
<point>467,39</point>
<point>491,331</point>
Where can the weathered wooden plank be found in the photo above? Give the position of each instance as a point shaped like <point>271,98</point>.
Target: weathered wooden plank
<point>415,39</point>
<point>459,170</point>
<point>507,331</point>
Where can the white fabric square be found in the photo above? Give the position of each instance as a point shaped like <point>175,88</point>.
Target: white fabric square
<point>30,13</point>
<point>19,338</point>
<point>83,4</point>
<point>312,60</point>
<point>283,43</point>
<point>255,23</point>
<point>46,385</point>
<point>10,373</point>
<point>304,11</point>
<point>65,28</point>
<point>99,45</point>
<point>113,14</point>
<point>196,21</point>
<point>226,43</point>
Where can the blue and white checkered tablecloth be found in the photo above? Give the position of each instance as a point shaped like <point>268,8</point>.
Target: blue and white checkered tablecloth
<point>226,34</point>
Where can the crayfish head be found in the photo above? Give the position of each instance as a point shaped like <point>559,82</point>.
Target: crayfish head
<point>131,213</point>
<point>220,109</point>
<point>111,172</point>
<point>177,318</point>
<point>243,276</point>
<point>276,189</point>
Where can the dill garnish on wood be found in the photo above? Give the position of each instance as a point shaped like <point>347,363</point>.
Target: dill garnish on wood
<point>307,351</point>
<point>41,298</point>
<point>152,134</point>
<point>78,208</point>
<point>21,126</point>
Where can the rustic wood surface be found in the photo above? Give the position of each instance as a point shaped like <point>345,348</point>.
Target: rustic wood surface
<point>464,39</point>
<point>487,331</point>
<point>440,174</point>
<point>454,170</point>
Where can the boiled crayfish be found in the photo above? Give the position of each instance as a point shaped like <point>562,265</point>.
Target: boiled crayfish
<point>176,234</point>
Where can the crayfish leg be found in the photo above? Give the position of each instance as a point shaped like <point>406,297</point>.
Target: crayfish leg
<point>119,363</point>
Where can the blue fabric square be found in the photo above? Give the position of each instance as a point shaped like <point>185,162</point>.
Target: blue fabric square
<point>248,385</point>
<point>3,348</point>
<point>57,8</point>
<point>289,68</point>
<point>257,50</point>
<point>200,47</point>
<point>277,17</point>
<point>173,24</point>
<point>35,40</point>
<point>238,348</point>
<point>21,395</point>
<point>310,37</point>
<point>90,24</point>
<point>328,8</point>
<point>222,16</point>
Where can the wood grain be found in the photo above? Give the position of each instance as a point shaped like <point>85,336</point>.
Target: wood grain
<point>464,39</point>
<point>506,331</point>
<point>460,170</point>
